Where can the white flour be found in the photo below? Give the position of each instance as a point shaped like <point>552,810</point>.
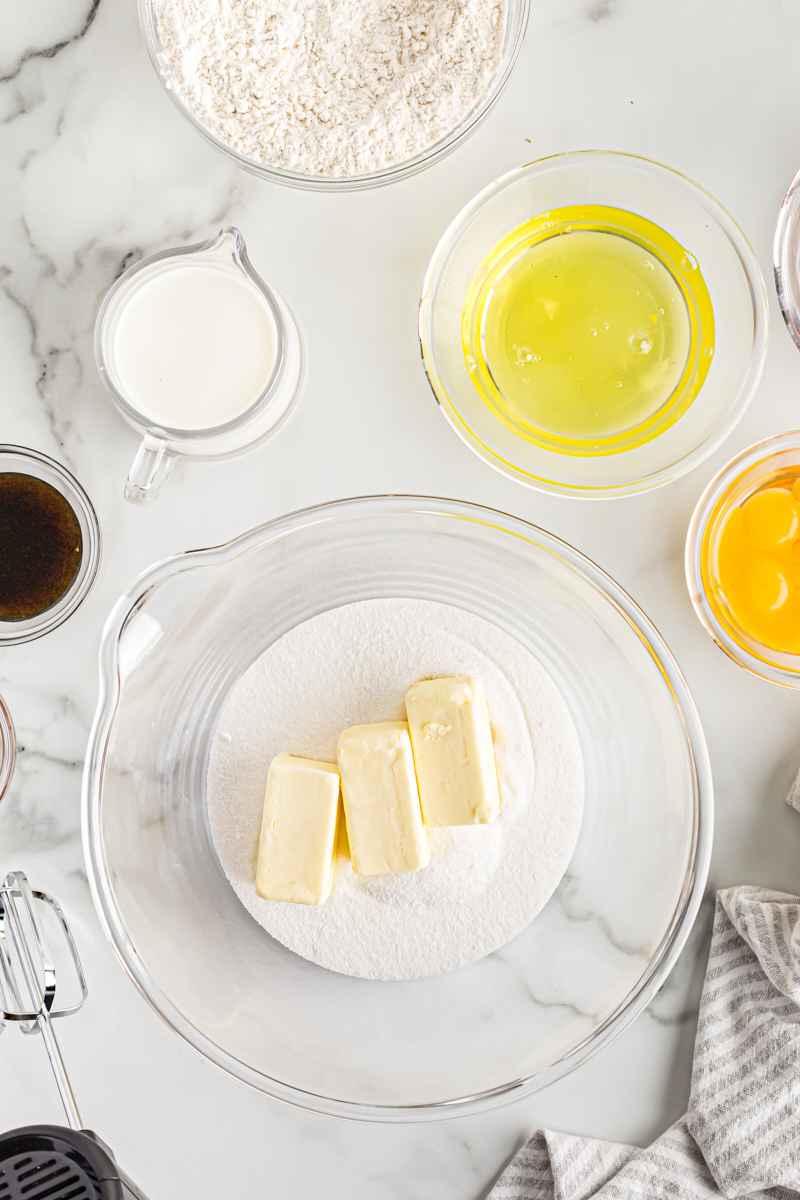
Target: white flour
<point>485,883</point>
<point>331,87</point>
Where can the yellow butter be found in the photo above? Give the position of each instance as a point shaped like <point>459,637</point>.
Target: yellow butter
<point>381,801</point>
<point>448,720</point>
<point>298,831</point>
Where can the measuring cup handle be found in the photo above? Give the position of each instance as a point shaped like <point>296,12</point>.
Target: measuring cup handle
<point>150,468</point>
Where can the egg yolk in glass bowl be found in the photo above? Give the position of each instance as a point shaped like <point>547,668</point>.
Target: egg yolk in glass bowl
<point>758,564</point>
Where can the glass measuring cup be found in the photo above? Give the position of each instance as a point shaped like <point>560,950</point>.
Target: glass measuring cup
<point>162,443</point>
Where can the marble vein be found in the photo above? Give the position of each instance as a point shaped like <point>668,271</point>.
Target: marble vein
<point>567,896</point>
<point>51,51</point>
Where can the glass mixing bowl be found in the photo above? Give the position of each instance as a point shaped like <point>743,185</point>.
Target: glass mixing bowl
<point>175,645</point>
<point>669,200</point>
<point>756,467</point>
<point>516,24</point>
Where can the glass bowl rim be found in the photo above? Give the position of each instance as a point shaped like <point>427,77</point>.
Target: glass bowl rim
<point>344,183</point>
<point>783,267</point>
<point>8,747</point>
<point>54,616</point>
<point>751,456</point>
<point>382,505</point>
<point>686,462</point>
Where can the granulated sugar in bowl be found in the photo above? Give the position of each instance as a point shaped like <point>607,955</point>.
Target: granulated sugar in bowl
<point>334,92</point>
<point>354,665</point>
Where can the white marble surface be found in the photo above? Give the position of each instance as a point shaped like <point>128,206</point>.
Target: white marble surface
<point>98,168</point>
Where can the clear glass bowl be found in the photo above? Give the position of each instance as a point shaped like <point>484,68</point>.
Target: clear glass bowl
<point>31,462</point>
<point>175,645</point>
<point>786,258</point>
<point>696,221</point>
<point>516,24</point>
<point>752,469</point>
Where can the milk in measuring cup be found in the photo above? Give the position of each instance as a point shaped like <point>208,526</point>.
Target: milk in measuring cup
<point>194,346</point>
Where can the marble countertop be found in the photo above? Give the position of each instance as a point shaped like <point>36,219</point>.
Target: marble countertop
<point>98,169</point>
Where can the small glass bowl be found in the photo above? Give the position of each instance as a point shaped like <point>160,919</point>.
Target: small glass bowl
<point>30,462</point>
<point>516,24</point>
<point>754,468</point>
<point>8,748</point>
<point>676,205</point>
<point>786,258</point>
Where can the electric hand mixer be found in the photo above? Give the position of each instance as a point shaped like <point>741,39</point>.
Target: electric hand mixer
<point>46,1162</point>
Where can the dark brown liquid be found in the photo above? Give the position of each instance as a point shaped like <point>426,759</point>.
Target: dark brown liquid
<point>41,546</point>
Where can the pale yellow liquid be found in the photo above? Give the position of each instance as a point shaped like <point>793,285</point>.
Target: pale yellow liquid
<point>584,336</point>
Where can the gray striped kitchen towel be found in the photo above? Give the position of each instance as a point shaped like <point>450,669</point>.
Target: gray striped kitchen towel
<point>794,795</point>
<point>741,1135</point>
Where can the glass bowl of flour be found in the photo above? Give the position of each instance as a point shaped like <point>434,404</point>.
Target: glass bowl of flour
<point>334,97</point>
<point>525,946</point>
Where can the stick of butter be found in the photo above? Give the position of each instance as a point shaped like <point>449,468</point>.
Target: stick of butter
<point>449,724</point>
<point>298,831</point>
<point>381,800</point>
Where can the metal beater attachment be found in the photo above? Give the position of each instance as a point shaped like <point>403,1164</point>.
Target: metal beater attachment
<point>47,1162</point>
<point>28,975</point>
